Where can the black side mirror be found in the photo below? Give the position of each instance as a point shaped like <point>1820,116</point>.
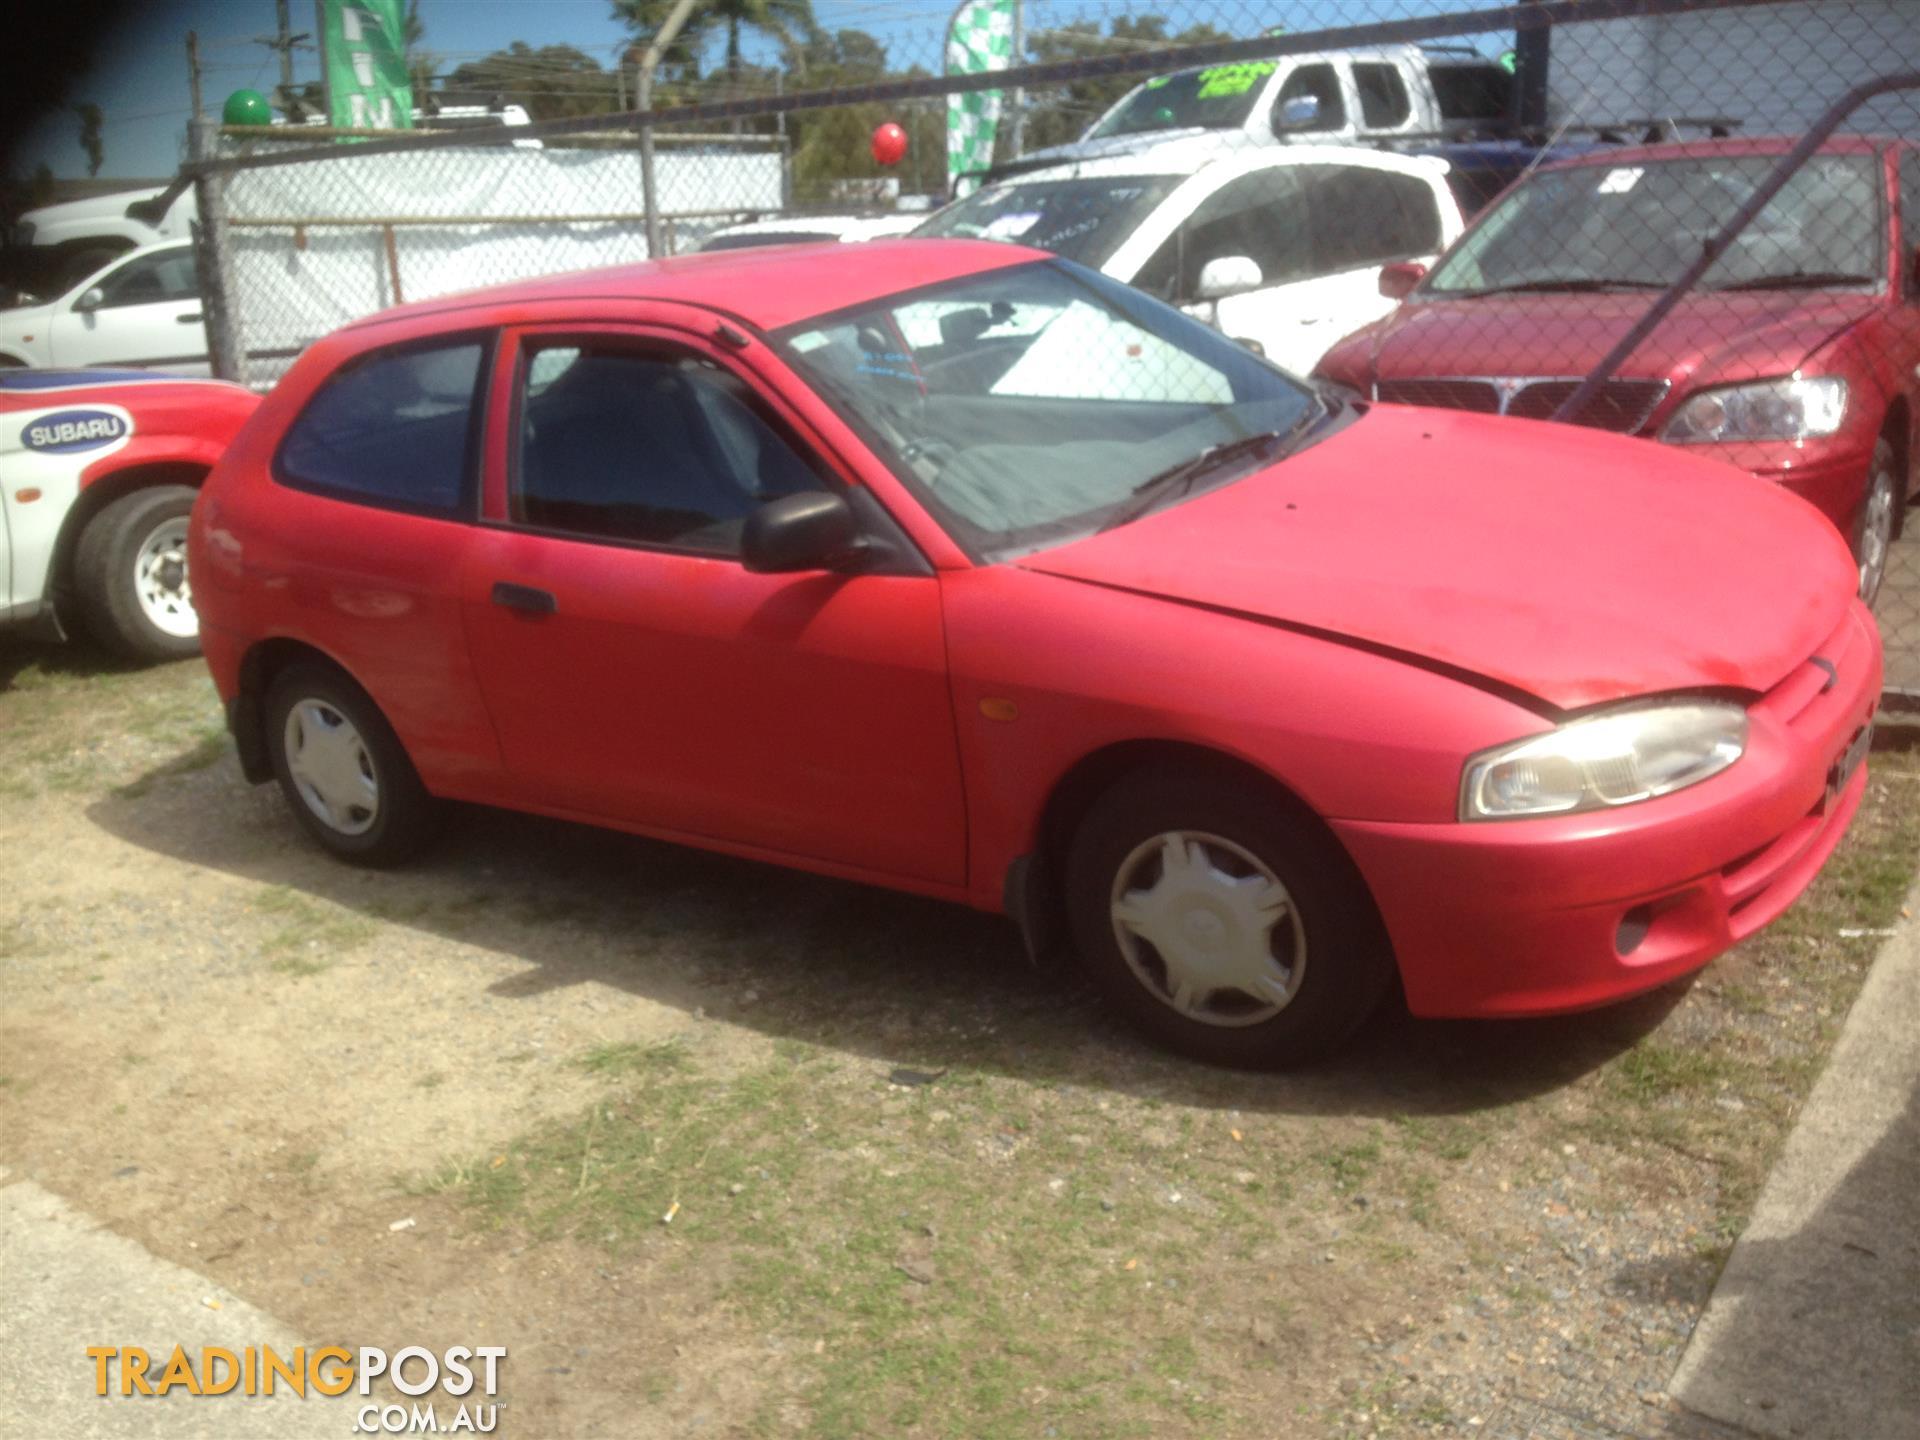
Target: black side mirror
<point>810,531</point>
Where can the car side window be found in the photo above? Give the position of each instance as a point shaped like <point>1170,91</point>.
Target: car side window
<point>394,429</point>
<point>1259,215</point>
<point>1362,216</point>
<point>1320,82</point>
<point>1383,95</point>
<point>151,280</point>
<point>646,447</point>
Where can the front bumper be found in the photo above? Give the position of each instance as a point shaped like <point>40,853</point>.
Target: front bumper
<point>1530,917</point>
<point>1829,474</point>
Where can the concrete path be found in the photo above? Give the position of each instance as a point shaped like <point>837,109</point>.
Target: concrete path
<point>66,1284</point>
<point>1814,1329</point>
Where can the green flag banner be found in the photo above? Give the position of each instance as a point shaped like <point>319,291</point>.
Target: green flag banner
<point>979,40</point>
<point>363,47</point>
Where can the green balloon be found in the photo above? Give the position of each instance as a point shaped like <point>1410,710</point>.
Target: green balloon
<point>246,107</point>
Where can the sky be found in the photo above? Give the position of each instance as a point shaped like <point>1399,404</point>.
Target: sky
<point>139,77</point>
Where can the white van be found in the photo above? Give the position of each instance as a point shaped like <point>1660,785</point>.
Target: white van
<point>1281,246</point>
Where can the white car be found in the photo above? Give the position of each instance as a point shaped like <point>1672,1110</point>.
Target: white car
<point>1279,246</point>
<point>101,470</point>
<point>802,229</point>
<point>140,309</point>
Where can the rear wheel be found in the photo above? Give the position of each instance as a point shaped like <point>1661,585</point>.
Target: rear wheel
<point>1225,926</point>
<point>130,570</point>
<point>343,771</point>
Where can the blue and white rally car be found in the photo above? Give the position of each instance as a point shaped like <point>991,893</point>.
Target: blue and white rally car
<point>98,472</point>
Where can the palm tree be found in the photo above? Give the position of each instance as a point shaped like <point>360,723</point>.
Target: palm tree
<point>789,23</point>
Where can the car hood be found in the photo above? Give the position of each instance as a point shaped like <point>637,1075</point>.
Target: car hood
<point>1708,339</point>
<point>1573,567</point>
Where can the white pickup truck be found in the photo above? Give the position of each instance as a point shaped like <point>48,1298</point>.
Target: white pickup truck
<point>1332,97</point>
<point>1282,246</point>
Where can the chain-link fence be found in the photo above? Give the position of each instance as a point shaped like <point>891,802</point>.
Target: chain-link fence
<point>1327,196</point>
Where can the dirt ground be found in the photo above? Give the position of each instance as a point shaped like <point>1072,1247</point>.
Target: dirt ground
<point>542,1040</point>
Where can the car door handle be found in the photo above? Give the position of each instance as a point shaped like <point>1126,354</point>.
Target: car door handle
<point>193,319</point>
<point>524,597</point>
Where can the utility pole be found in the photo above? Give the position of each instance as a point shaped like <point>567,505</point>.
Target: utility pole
<point>285,42</point>
<point>1019,97</point>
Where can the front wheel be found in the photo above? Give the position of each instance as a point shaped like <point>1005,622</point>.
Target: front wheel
<point>130,570</point>
<point>1879,517</point>
<point>1224,925</point>
<point>343,771</point>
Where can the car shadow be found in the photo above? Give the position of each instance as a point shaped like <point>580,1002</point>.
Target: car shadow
<point>77,660</point>
<point>869,972</point>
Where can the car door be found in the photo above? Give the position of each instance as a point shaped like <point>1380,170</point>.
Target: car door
<point>638,673</point>
<point>1355,219</point>
<point>145,311</point>
<point>1902,345</point>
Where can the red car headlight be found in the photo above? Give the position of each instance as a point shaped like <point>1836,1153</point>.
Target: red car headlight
<point>1615,757</point>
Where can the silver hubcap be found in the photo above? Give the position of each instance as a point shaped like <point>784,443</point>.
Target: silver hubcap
<point>331,767</point>
<point>160,580</point>
<point>1208,929</point>
<point>1876,535</point>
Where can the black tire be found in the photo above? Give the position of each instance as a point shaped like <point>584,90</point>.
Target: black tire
<point>1883,473</point>
<point>106,579</point>
<point>405,815</point>
<point>1348,963</point>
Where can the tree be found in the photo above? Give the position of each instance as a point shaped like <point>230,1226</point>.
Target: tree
<point>788,23</point>
<point>90,137</point>
<point>1057,116</point>
<point>552,82</point>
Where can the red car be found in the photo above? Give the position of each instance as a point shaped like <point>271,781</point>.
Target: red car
<point>97,476</point>
<point>1794,358</point>
<point>958,568</point>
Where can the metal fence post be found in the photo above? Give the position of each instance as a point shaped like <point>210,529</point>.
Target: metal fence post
<point>649,63</point>
<point>213,258</point>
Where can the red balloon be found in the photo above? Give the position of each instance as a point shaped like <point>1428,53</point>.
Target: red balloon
<point>889,143</point>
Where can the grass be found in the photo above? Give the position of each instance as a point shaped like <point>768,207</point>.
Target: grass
<point>310,937</point>
<point>930,1284</point>
<point>929,1252</point>
<point>1060,1233</point>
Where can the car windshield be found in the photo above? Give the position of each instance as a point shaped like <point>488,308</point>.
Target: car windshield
<point>1085,219</point>
<point>1640,226</point>
<point>1030,405</point>
<point>1215,97</point>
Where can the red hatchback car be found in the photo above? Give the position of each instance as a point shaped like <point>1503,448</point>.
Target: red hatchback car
<point>1794,358</point>
<point>957,568</point>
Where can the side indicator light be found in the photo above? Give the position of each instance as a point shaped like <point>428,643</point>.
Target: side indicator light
<point>999,709</point>
<point>27,496</point>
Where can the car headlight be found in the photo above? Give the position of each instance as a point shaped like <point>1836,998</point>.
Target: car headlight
<point>1615,757</point>
<point>1795,408</point>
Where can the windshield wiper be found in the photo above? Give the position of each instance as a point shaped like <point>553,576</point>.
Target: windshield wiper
<point>1565,282</point>
<point>1797,280</point>
<point>1178,479</point>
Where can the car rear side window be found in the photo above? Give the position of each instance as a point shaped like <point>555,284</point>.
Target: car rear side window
<point>1383,96</point>
<point>394,429</point>
<point>657,449</point>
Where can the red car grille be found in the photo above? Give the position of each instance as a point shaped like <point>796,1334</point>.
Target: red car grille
<point>1620,405</point>
<point>1476,395</point>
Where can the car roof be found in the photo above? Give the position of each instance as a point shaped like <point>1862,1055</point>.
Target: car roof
<point>766,286</point>
<point>1710,149</point>
<point>1193,155</point>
